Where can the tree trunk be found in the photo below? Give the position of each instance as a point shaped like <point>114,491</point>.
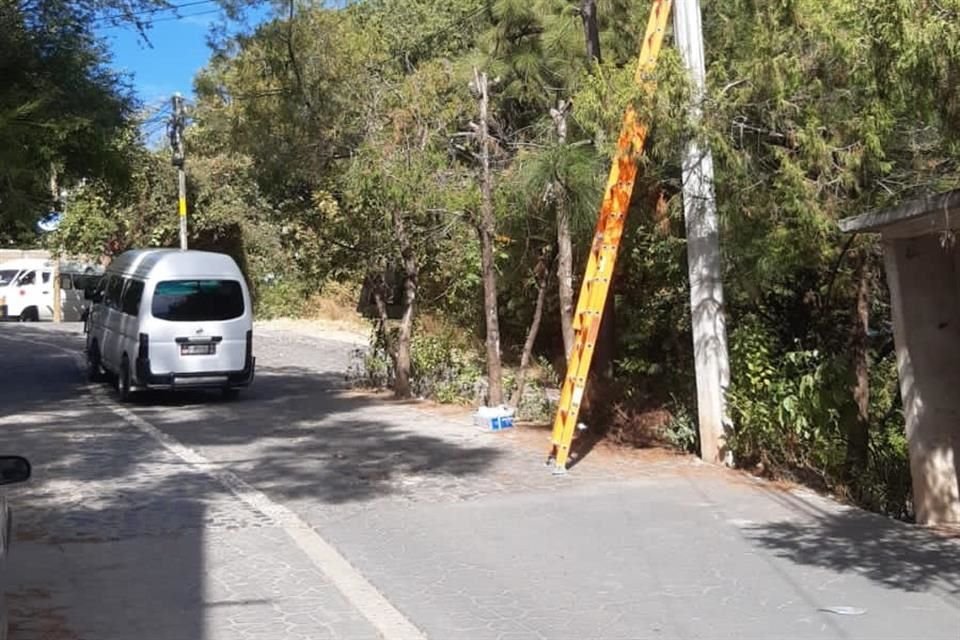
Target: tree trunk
<point>291,53</point>
<point>383,330</point>
<point>487,229</point>
<point>858,440</point>
<point>607,338</point>
<point>565,278</point>
<point>402,388</point>
<point>588,12</point>
<point>543,278</point>
<point>564,243</point>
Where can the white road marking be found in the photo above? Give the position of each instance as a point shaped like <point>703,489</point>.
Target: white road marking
<point>373,605</point>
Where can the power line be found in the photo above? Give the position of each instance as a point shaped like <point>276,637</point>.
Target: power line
<point>147,12</point>
<point>172,18</point>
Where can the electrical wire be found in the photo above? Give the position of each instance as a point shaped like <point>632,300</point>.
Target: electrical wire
<point>171,18</point>
<point>147,12</point>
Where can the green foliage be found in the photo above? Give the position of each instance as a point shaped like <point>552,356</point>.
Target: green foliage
<point>61,108</point>
<point>681,432</point>
<point>283,298</point>
<point>785,405</point>
<point>443,369</point>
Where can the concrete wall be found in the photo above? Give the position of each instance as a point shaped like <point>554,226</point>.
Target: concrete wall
<point>924,278</point>
<point>16,254</point>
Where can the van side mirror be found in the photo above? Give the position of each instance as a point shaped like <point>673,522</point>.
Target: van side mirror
<point>14,469</point>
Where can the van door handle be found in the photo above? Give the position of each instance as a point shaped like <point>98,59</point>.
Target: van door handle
<point>45,292</point>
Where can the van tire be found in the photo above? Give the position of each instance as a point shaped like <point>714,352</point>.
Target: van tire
<point>94,366</point>
<point>29,314</point>
<point>229,393</point>
<point>124,384</point>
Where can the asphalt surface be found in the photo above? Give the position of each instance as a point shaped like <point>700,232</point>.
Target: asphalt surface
<point>306,510</point>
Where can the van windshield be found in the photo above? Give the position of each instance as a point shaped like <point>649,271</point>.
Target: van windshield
<point>7,276</point>
<point>197,300</point>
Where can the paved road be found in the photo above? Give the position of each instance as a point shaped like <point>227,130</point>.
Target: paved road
<point>304,510</point>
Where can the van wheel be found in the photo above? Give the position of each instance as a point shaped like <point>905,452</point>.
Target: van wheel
<point>29,315</point>
<point>94,368</point>
<point>124,384</point>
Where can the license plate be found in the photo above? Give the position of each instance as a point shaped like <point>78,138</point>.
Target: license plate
<point>198,349</point>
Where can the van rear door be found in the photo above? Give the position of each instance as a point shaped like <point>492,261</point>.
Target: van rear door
<point>198,326</point>
<point>45,296</point>
<point>71,297</point>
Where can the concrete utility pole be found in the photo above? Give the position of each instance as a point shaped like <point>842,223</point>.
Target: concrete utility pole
<point>177,124</point>
<point>703,253</point>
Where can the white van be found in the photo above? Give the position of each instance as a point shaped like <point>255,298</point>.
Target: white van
<point>26,289</point>
<point>170,319</point>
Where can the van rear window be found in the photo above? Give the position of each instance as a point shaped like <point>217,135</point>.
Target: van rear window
<point>197,300</point>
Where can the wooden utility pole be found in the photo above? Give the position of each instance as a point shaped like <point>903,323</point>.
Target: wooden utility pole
<point>703,253</point>
<point>177,125</point>
<point>487,228</point>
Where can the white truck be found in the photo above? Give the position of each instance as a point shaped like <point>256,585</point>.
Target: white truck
<point>26,289</point>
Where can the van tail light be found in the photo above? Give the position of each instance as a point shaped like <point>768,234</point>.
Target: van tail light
<point>249,354</point>
<point>144,347</point>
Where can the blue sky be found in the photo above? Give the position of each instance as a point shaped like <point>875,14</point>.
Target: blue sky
<point>177,49</point>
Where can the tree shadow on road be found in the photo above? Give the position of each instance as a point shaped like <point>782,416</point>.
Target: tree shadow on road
<point>118,537</point>
<point>314,437</point>
<point>299,432</point>
<point>897,555</point>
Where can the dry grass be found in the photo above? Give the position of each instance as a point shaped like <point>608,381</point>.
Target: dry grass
<point>330,314</point>
<point>336,300</point>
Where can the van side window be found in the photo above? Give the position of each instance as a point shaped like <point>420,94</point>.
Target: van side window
<point>66,281</point>
<point>112,296</point>
<point>88,281</point>
<point>101,288</point>
<point>27,279</point>
<point>46,277</point>
<point>132,294</point>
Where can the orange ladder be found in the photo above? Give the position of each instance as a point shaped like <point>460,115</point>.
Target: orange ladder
<point>606,244</point>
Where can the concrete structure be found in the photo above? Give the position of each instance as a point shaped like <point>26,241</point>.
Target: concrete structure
<point>922,260</point>
<point>17,254</point>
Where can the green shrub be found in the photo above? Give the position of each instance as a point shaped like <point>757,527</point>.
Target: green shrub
<point>681,432</point>
<point>439,368</point>
<point>444,371</point>
<point>280,298</point>
<point>786,406</point>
